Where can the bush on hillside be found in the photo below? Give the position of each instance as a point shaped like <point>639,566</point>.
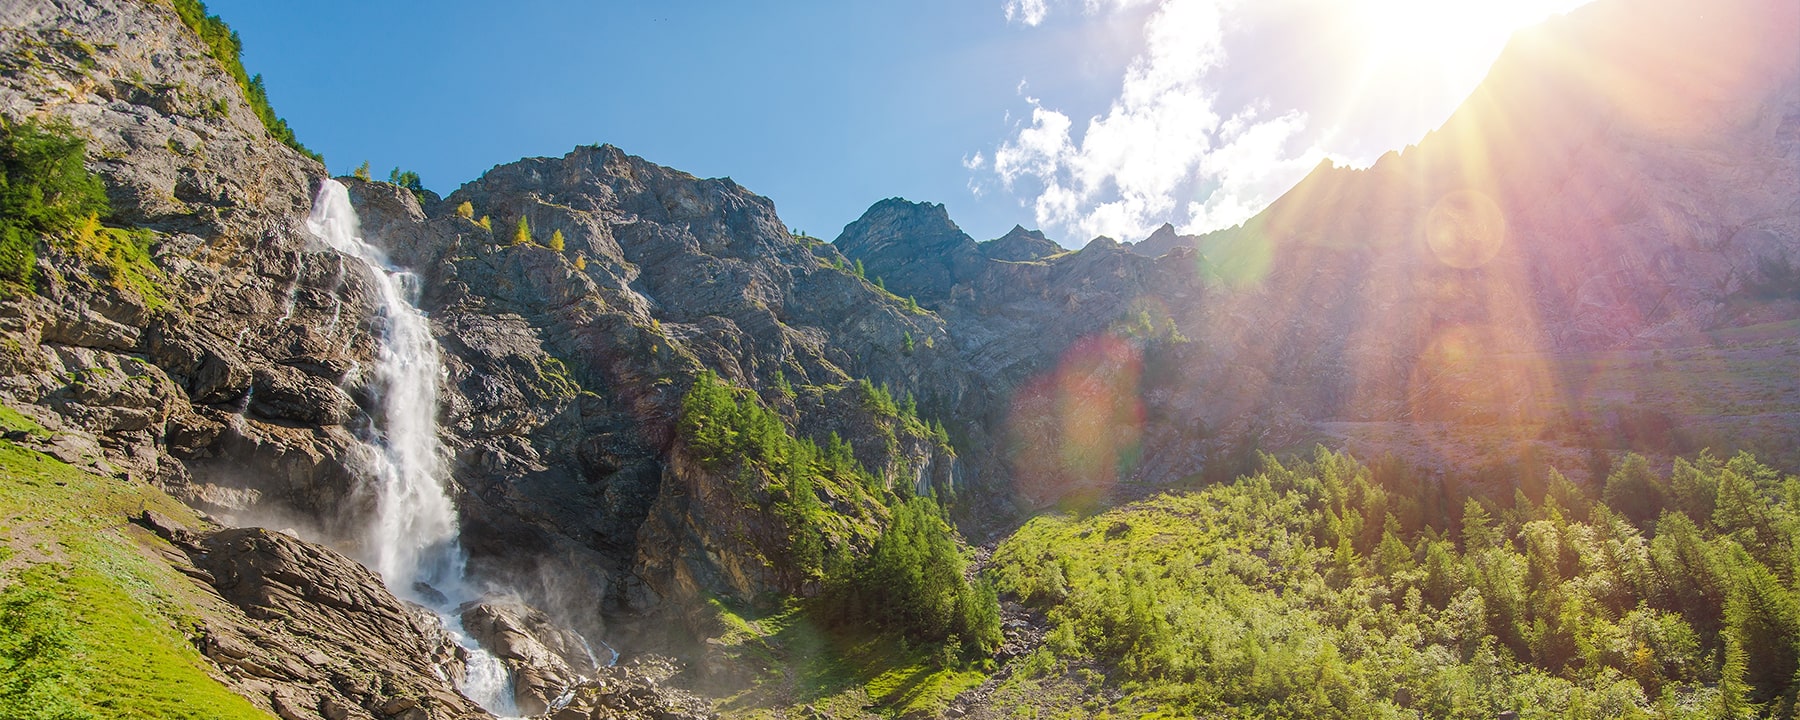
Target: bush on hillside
<point>45,190</point>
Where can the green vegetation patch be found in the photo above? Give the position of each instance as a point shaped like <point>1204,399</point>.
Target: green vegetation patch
<point>730,432</point>
<point>900,624</point>
<point>45,190</point>
<point>122,259</point>
<point>841,673</point>
<point>1299,592</point>
<point>47,194</point>
<point>90,627</point>
<point>912,584</point>
<point>227,48</point>
<point>13,421</point>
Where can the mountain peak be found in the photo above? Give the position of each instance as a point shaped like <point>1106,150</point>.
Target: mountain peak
<point>921,228</point>
<point>1019,245</point>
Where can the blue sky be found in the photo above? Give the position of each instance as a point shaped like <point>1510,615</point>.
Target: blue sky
<point>1081,117</point>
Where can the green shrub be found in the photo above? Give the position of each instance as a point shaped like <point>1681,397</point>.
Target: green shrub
<point>465,210</point>
<point>45,190</point>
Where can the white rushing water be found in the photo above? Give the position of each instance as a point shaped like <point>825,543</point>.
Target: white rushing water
<point>413,540</point>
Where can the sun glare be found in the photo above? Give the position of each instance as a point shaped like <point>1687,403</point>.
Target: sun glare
<point>1458,38</point>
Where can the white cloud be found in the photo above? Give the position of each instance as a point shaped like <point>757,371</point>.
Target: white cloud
<point>1033,12</point>
<point>974,162</point>
<point>1163,151</point>
<point>1252,167</point>
<point>1030,12</point>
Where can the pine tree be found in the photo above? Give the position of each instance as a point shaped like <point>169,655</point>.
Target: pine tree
<point>362,171</point>
<point>486,223</point>
<point>556,241</point>
<point>465,210</point>
<point>522,232</point>
<point>407,179</point>
<point>1478,532</point>
<point>1764,621</point>
<point>1635,491</point>
<point>580,262</point>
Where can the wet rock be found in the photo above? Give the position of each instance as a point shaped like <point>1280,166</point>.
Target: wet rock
<point>544,658</point>
<point>332,617</point>
<point>634,690</point>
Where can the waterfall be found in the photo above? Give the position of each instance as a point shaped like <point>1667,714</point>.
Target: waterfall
<point>413,540</point>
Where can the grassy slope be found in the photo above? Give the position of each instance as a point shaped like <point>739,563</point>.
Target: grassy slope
<point>95,589</point>
<point>791,661</point>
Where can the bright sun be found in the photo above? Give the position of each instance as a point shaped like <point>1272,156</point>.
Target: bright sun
<point>1458,38</point>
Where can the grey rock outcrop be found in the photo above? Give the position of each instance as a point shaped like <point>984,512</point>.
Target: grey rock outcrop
<point>1020,245</point>
<point>308,633</point>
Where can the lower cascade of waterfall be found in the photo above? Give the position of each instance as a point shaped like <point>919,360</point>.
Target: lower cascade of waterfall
<point>413,541</point>
<point>485,679</point>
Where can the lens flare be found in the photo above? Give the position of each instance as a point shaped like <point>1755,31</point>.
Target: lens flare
<point>1465,229</point>
<point>1078,429</point>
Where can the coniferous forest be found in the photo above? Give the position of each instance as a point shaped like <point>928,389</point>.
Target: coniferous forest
<point>1320,588</point>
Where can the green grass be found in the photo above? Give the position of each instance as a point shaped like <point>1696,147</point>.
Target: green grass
<point>794,661</point>
<point>123,259</point>
<point>14,421</point>
<point>114,621</point>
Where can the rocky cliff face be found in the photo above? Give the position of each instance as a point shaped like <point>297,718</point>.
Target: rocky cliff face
<point>569,366</point>
<point>1622,183</point>
<point>319,635</point>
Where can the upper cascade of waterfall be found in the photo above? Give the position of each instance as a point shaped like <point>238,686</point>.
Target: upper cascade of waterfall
<point>333,221</point>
